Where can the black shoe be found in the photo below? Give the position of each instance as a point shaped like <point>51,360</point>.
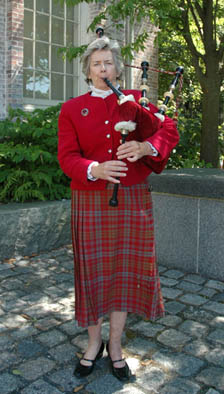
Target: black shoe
<point>123,373</point>
<point>84,370</point>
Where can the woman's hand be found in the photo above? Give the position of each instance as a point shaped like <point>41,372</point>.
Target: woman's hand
<point>110,170</point>
<point>133,150</point>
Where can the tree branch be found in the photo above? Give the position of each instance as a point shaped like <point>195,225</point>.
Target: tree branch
<point>221,56</point>
<point>199,10</point>
<point>194,53</point>
<point>222,73</point>
<point>208,27</point>
<point>221,49</point>
<point>215,15</point>
<point>187,35</point>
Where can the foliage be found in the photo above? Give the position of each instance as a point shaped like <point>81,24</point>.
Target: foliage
<point>28,157</point>
<point>72,52</point>
<point>187,153</point>
<point>173,53</point>
<point>116,11</point>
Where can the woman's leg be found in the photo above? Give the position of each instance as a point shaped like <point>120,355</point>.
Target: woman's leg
<point>117,323</point>
<point>94,344</point>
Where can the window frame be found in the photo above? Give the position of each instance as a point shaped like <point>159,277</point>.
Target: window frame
<point>80,22</point>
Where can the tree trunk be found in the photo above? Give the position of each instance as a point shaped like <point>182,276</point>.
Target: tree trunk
<point>210,122</point>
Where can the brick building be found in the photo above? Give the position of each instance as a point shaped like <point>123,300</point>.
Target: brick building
<point>31,72</point>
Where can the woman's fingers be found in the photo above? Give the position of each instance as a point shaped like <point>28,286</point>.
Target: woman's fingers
<point>114,170</point>
<point>110,170</point>
<point>130,150</point>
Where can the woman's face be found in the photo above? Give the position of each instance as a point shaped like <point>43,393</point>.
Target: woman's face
<point>102,66</point>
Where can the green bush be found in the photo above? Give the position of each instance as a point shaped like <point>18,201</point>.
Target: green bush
<point>29,168</point>
<point>187,152</point>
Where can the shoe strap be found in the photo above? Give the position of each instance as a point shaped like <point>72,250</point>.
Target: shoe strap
<point>86,359</point>
<point>116,361</point>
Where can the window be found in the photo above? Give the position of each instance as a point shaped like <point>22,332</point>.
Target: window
<point>49,26</point>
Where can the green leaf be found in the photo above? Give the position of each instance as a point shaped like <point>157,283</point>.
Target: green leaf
<point>16,372</point>
<point>28,157</point>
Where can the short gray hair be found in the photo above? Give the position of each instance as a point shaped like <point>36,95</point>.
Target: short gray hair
<point>102,43</point>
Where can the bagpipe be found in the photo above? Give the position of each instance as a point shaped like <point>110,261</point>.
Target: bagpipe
<point>128,126</point>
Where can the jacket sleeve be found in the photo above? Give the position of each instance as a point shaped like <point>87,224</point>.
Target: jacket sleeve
<point>164,139</point>
<point>70,158</point>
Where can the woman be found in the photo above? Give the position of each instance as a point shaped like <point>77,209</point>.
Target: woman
<point>114,250</point>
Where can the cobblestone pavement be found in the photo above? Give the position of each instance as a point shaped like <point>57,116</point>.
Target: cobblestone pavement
<point>39,340</point>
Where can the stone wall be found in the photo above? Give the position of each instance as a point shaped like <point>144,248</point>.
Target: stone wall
<point>189,220</point>
<point>32,228</point>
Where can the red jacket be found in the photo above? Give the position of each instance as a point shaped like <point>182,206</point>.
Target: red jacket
<point>86,134</point>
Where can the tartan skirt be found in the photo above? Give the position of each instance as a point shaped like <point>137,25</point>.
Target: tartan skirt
<point>114,254</point>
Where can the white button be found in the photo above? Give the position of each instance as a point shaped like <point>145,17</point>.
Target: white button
<point>109,150</point>
<point>108,135</point>
<point>106,121</point>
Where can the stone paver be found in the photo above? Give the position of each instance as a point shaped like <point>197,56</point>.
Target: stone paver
<point>40,387</point>
<point>181,386</point>
<point>216,307</point>
<point>181,353</point>
<point>152,378</point>
<point>174,307</point>
<point>213,377</point>
<point>173,338</point>
<point>180,363</point>
<point>189,287</point>
<point>9,383</point>
<point>34,369</point>
<point>193,328</point>
<point>217,336</point>
<point>65,379</point>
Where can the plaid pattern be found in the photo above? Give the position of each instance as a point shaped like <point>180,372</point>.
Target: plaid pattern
<point>114,254</point>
